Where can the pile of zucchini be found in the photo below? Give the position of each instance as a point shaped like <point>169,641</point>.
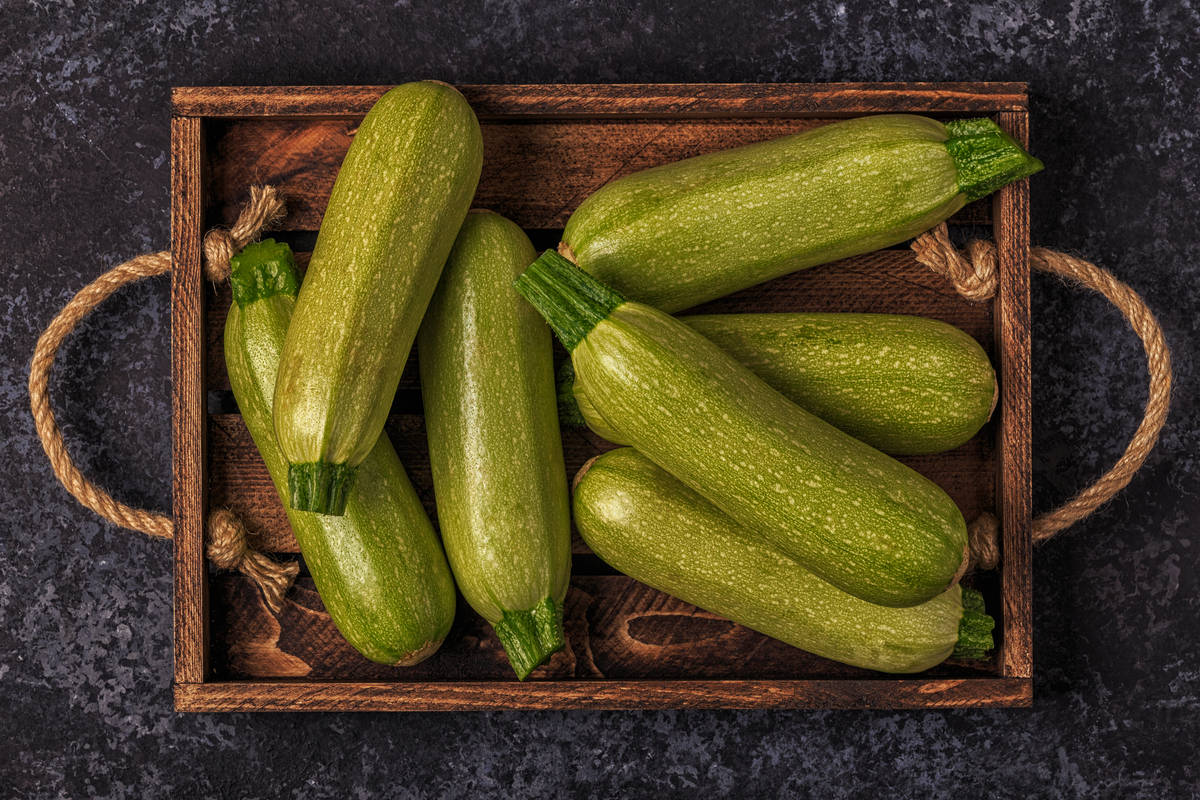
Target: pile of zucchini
<point>754,481</point>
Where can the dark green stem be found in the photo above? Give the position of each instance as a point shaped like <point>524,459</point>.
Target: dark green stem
<point>572,301</point>
<point>986,157</point>
<point>531,637</point>
<point>261,270</point>
<point>975,628</point>
<point>319,487</point>
<point>568,407</point>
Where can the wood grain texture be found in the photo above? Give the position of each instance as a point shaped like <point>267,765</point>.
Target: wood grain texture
<point>534,174</point>
<point>1015,431</point>
<point>617,629</point>
<point>187,402</point>
<point>642,100</point>
<point>547,147</point>
<point>605,695</point>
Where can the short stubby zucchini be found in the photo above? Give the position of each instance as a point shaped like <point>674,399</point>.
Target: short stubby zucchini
<point>683,233</point>
<point>854,516</point>
<point>401,194</point>
<point>487,381</point>
<point>903,384</point>
<point>379,567</point>
<point>654,529</point>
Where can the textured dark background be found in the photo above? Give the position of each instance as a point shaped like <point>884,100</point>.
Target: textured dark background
<point>85,609</point>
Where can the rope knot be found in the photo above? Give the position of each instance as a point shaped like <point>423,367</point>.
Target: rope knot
<point>975,276</point>
<point>983,541</point>
<point>265,209</point>
<point>228,547</point>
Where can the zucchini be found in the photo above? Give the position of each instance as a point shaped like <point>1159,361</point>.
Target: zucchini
<point>399,199</point>
<point>854,516</point>
<point>379,567</point>
<point>487,381</point>
<point>902,384</point>
<point>683,233</point>
<point>656,530</point>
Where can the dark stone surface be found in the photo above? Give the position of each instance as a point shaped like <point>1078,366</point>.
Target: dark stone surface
<point>85,608</point>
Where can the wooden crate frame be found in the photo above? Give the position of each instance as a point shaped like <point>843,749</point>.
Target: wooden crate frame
<point>197,689</point>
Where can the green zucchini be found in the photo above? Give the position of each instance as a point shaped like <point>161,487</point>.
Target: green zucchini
<point>854,516</point>
<point>379,567</point>
<point>697,229</point>
<point>399,199</point>
<point>902,384</point>
<point>487,381</point>
<point>656,530</point>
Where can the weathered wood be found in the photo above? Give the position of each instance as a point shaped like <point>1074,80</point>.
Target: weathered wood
<point>640,100</point>
<point>534,174</point>
<point>1014,467</point>
<point>187,402</point>
<point>631,647</point>
<point>616,627</point>
<point>605,695</point>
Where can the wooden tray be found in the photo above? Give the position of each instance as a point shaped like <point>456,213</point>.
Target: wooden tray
<point>546,149</point>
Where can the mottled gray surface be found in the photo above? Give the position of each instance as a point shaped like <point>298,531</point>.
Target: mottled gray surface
<point>85,636</point>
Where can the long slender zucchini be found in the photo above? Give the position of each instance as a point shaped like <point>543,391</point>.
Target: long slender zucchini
<point>687,232</point>
<point>902,384</point>
<point>857,518</point>
<point>399,199</point>
<point>378,568</point>
<point>487,380</point>
<point>656,530</point>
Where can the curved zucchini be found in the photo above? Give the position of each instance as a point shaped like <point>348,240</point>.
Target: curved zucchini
<point>903,384</point>
<point>399,199</point>
<point>697,229</point>
<point>487,381</point>
<point>656,530</point>
<point>857,518</point>
<point>378,568</point>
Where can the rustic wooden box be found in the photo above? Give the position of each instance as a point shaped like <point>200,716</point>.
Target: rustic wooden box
<point>546,149</point>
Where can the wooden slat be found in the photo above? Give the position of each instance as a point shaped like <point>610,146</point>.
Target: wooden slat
<point>616,628</point>
<point>187,402</point>
<point>667,100</point>
<point>535,175</point>
<point>1015,429</point>
<point>886,282</point>
<point>601,695</point>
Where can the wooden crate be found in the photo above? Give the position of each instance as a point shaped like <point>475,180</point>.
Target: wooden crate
<point>546,149</point>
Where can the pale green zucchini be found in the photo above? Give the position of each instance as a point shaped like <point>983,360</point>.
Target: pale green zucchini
<point>399,199</point>
<point>379,567</point>
<point>487,381</point>
<point>687,232</point>
<point>654,529</point>
<point>903,384</point>
<point>854,516</point>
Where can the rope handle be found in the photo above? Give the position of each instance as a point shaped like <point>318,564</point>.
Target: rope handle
<point>975,277</point>
<point>225,535</point>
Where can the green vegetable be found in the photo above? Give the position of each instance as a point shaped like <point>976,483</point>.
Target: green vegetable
<point>697,229</point>
<point>857,518</point>
<point>399,199</point>
<point>487,380</point>
<point>900,383</point>
<point>656,530</point>
<point>379,568</point>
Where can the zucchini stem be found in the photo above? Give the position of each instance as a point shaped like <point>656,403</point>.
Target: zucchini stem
<point>986,157</point>
<point>975,628</point>
<point>261,270</point>
<point>572,301</point>
<point>320,487</point>
<point>531,637</point>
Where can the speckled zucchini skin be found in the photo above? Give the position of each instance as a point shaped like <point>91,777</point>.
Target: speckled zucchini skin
<point>902,384</point>
<point>379,568</point>
<point>650,526</point>
<point>683,233</point>
<point>487,380</point>
<point>401,194</point>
